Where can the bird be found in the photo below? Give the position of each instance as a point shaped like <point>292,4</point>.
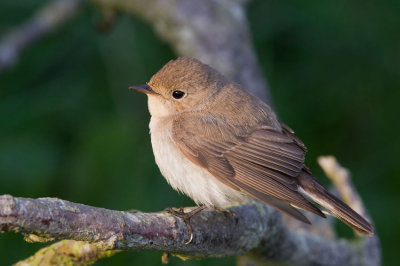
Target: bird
<point>219,144</point>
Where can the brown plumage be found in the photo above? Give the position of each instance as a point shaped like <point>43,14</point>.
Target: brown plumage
<point>235,142</point>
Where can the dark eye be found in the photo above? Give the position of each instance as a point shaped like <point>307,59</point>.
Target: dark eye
<point>178,94</point>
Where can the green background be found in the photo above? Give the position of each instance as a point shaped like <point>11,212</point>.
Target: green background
<point>69,128</point>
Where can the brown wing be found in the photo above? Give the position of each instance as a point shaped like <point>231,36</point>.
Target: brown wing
<point>262,162</point>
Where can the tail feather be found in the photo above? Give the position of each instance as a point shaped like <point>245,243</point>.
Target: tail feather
<point>314,190</point>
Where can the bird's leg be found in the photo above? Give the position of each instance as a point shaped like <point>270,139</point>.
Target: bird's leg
<point>186,218</point>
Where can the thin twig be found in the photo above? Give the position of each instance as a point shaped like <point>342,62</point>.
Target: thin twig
<point>341,179</point>
<point>67,252</point>
<point>45,21</point>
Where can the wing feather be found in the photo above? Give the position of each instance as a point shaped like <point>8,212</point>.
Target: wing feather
<point>268,186</point>
<point>263,162</point>
<point>278,204</point>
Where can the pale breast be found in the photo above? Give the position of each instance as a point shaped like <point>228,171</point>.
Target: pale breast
<point>183,175</point>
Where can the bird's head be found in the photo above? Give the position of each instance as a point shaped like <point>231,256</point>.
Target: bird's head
<point>181,85</point>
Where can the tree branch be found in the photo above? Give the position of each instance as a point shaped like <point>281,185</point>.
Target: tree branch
<point>213,31</point>
<point>215,234</point>
<point>45,21</point>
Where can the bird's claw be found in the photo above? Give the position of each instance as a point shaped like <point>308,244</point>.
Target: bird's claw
<point>229,212</point>
<point>186,216</point>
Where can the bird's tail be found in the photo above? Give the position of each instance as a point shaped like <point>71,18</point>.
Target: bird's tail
<point>315,191</point>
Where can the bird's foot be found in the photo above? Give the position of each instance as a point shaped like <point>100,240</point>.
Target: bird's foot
<point>186,216</point>
<point>229,212</point>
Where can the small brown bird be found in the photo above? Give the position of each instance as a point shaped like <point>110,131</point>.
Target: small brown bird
<point>218,144</point>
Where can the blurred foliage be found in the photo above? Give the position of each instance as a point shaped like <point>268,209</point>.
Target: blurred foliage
<point>69,127</point>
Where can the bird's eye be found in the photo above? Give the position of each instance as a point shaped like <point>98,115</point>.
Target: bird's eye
<point>178,94</point>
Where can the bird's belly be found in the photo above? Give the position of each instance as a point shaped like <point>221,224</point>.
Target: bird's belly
<point>185,176</point>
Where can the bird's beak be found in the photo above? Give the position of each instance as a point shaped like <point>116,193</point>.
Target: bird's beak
<point>144,88</point>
